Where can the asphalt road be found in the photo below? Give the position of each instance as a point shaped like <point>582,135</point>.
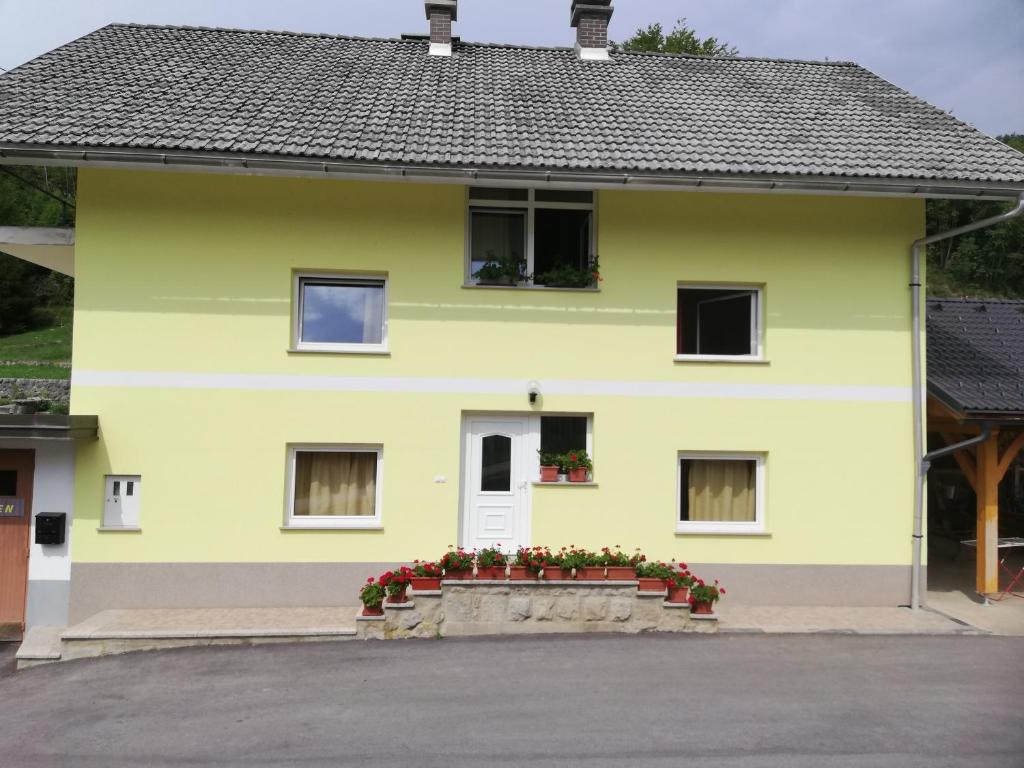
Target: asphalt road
<point>731,700</point>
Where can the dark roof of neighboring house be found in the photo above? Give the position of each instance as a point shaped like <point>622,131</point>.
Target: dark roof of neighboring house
<point>494,106</point>
<point>976,354</point>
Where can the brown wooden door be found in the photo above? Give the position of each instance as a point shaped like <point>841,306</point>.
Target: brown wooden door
<point>16,474</point>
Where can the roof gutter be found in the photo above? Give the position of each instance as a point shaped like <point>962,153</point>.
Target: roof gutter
<point>921,459</point>
<point>251,164</point>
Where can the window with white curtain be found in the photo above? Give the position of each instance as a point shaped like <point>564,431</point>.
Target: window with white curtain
<point>340,314</point>
<point>334,486</point>
<point>720,493</point>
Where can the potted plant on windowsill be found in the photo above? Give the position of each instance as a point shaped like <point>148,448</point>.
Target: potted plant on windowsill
<point>505,271</point>
<point>704,596</point>
<point>567,276</point>
<point>426,576</point>
<point>372,597</point>
<point>550,465</point>
<point>457,564</point>
<point>652,577</point>
<point>618,565</point>
<point>529,563</point>
<point>490,564</point>
<point>678,582</point>
<point>578,465</point>
<point>397,584</point>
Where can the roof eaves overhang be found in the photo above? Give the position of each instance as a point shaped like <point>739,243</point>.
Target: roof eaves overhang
<point>968,415</point>
<point>48,426</point>
<point>50,247</point>
<point>270,165</point>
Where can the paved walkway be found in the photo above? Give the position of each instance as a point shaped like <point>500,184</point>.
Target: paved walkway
<point>828,619</point>
<point>596,701</point>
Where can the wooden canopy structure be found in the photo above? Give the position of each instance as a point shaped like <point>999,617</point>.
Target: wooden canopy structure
<point>976,380</point>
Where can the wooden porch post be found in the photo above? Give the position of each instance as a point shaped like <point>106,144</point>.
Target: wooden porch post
<point>987,489</point>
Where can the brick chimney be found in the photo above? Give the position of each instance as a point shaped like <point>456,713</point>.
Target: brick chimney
<point>441,14</point>
<point>591,17</point>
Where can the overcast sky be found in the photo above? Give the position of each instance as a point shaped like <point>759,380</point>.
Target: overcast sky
<point>965,56</point>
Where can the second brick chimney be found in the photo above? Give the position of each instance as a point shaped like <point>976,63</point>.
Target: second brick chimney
<point>590,18</point>
<point>441,14</point>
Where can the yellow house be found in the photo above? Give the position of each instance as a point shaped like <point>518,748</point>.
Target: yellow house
<point>335,297</point>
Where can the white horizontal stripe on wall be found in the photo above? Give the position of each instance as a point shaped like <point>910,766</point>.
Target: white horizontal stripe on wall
<point>424,385</point>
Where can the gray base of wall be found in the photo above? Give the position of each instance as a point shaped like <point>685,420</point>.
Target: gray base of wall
<point>100,586</point>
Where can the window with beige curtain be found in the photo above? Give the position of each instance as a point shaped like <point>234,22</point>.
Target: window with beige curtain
<point>335,484</point>
<point>718,490</point>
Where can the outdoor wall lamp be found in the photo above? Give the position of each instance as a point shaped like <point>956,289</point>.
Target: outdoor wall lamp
<point>533,389</point>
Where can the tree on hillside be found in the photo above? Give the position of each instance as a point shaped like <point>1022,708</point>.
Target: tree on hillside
<point>681,39</point>
<point>987,263</point>
<point>31,197</point>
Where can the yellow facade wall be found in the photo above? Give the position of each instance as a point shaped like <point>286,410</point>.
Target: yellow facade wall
<point>193,274</point>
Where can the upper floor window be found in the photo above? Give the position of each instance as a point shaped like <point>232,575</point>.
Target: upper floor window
<point>541,237</point>
<point>718,323</point>
<point>340,314</point>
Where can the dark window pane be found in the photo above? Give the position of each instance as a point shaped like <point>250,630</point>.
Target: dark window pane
<point>561,434</point>
<point>563,196</point>
<point>342,313</point>
<point>715,322</point>
<point>498,236</point>
<point>498,193</point>
<point>496,463</point>
<point>562,238</point>
<point>8,482</point>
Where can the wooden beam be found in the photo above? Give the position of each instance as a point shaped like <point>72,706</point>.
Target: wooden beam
<point>964,460</point>
<point>1010,454</point>
<point>987,572</point>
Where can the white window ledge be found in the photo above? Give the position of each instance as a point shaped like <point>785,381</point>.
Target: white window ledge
<point>119,529</point>
<point>745,359</point>
<point>474,286</point>
<point>340,350</point>
<point>539,484</point>
<point>373,527</point>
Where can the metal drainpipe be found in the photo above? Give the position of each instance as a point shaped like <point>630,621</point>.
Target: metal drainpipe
<point>920,459</point>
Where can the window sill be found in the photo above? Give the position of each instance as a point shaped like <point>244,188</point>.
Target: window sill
<point>474,286</point>
<point>119,529</point>
<point>720,532</point>
<point>293,528</point>
<point>589,484</point>
<point>728,359</point>
<point>380,352</point>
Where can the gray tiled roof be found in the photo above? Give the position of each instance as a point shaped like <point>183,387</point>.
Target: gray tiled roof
<point>387,101</point>
<point>976,354</point>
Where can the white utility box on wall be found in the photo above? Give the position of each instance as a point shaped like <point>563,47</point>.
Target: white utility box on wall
<point>121,507</point>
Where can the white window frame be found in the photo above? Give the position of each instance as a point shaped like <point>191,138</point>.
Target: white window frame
<point>722,526</point>
<point>341,278</point>
<point>530,205</point>
<point>756,322</point>
<point>352,522</point>
<point>535,441</point>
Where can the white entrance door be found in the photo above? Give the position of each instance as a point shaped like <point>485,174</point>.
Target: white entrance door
<point>497,482</point>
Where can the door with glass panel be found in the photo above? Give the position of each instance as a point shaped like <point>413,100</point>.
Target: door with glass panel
<point>496,483</point>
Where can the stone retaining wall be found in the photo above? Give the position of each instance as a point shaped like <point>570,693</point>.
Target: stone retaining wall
<point>54,390</point>
<point>463,608</point>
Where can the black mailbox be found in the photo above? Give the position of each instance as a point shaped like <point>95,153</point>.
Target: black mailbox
<point>50,527</point>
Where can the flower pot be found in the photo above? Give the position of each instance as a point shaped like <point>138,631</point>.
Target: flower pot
<point>554,573</point>
<point>590,573</point>
<point>491,573</point>
<point>401,597</point>
<point>577,475</point>
<point>522,573</point>
<point>459,575</point>
<point>650,585</point>
<point>702,606</point>
<point>621,573</point>
<point>426,583</point>
<point>495,281</point>
<point>373,610</point>
<point>677,594</point>
<point>549,474</point>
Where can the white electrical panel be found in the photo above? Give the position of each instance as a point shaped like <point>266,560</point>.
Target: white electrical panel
<point>121,505</point>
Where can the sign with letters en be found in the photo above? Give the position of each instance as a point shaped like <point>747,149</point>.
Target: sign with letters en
<point>11,506</point>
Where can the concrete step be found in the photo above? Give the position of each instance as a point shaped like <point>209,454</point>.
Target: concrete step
<point>42,645</point>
